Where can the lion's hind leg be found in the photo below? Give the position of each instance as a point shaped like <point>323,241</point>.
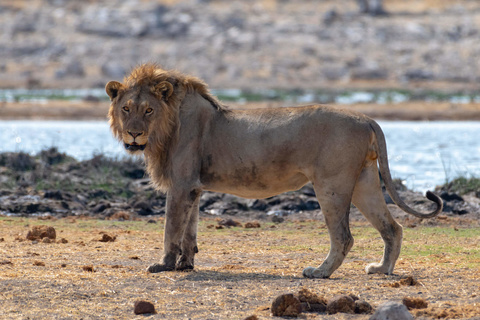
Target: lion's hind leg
<point>335,208</point>
<point>368,198</point>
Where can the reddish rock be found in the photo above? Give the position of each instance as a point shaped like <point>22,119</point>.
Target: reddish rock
<point>253,224</point>
<point>88,268</point>
<point>142,307</point>
<point>286,305</point>
<point>311,302</point>
<point>40,232</point>
<point>107,238</point>
<point>414,303</point>
<point>342,303</point>
<point>229,223</point>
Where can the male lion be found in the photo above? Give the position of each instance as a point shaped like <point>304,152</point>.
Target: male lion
<point>192,143</point>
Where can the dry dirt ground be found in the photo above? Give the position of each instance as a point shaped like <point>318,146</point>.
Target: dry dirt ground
<point>83,110</point>
<point>239,271</point>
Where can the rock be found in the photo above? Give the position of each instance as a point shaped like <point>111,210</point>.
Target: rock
<point>229,223</point>
<point>252,317</point>
<point>311,302</point>
<point>362,307</point>
<point>414,303</point>
<point>100,207</point>
<point>253,224</point>
<point>88,268</point>
<point>286,305</point>
<point>277,219</point>
<point>448,196</point>
<point>107,238</point>
<point>143,307</point>
<point>342,303</point>
<point>40,232</point>
<point>391,311</point>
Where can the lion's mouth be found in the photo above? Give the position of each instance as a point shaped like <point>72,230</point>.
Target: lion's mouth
<point>134,146</point>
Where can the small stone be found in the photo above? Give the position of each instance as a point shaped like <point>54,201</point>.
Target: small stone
<point>142,307</point>
<point>363,307</point>
<point>39,263</point>
<point>342,303</point>
<point>253,224</point>
<point>62,240</point>
<point>107,238</point>
<point>88,268</point>
<point>47,240</point>
<point>253,317</point>
<point>391,311</point>
<point>40,232</point>
<point>286,305</point>
<point>311,302</point>
<point>229,223</point>
<point>414,303</point>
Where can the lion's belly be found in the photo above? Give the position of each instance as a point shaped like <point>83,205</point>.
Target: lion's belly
<point>259,188</point>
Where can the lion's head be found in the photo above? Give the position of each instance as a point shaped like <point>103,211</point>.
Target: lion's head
<point>144,113</point>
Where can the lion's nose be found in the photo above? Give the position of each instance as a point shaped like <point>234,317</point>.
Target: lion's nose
<point>135,134</point>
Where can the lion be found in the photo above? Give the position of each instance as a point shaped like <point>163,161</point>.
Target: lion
<point>191,143</point>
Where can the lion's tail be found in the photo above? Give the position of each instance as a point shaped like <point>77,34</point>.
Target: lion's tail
<point>381,147</point>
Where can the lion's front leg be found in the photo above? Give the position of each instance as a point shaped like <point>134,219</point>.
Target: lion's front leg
<point>178,217</point>
<point>189,244</point>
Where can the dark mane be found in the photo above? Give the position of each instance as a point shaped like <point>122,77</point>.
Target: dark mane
<point>147,75</point>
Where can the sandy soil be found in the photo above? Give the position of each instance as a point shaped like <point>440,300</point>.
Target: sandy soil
<point>238,273</point>
<point>82,110</point>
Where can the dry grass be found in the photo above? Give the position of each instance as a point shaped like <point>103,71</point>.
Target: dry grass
<point>238,271</point>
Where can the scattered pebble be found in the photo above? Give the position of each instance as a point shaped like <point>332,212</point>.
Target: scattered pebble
<point>253,224</point>
<point>121,216</point>
<point>311,302</point>
<point>408,281</point>
<point>286,305</point>
<point>39,263</point>
<point>391,311</point>
<point>229,223</point>
<point>88,268</point>
<point>253,317</point>
<point>142,307</point>
<point>134,258</point>
<point>5,262</point>
<point>62,240</point>
<point>414,303</point>
<point>107,238</point>
<point>341,303</point>
<point>40,232</point>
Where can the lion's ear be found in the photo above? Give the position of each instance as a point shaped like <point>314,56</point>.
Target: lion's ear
<point>112,89</point>
<point>163,90</point>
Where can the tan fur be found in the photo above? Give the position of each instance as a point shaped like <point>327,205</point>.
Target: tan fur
<point>192,143</point>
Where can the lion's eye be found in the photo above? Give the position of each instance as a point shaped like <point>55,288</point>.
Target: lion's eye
<point>149,110</point>
<point>126,109</point>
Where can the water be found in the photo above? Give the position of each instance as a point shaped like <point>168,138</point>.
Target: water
<point>423,154</point>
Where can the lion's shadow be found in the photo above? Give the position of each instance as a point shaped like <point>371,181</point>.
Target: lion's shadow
<point>225,276</point>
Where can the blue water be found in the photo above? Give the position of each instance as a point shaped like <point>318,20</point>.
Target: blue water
<point>423,154</point>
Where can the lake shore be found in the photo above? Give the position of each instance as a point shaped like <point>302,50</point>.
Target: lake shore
<point>97,110</point>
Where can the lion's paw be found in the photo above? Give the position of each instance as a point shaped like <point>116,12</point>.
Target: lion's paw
<point>154,268</point>
<point>377,268</point>
<point>311,272</point>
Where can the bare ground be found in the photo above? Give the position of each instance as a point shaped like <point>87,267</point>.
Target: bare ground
<point>238,272</point>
